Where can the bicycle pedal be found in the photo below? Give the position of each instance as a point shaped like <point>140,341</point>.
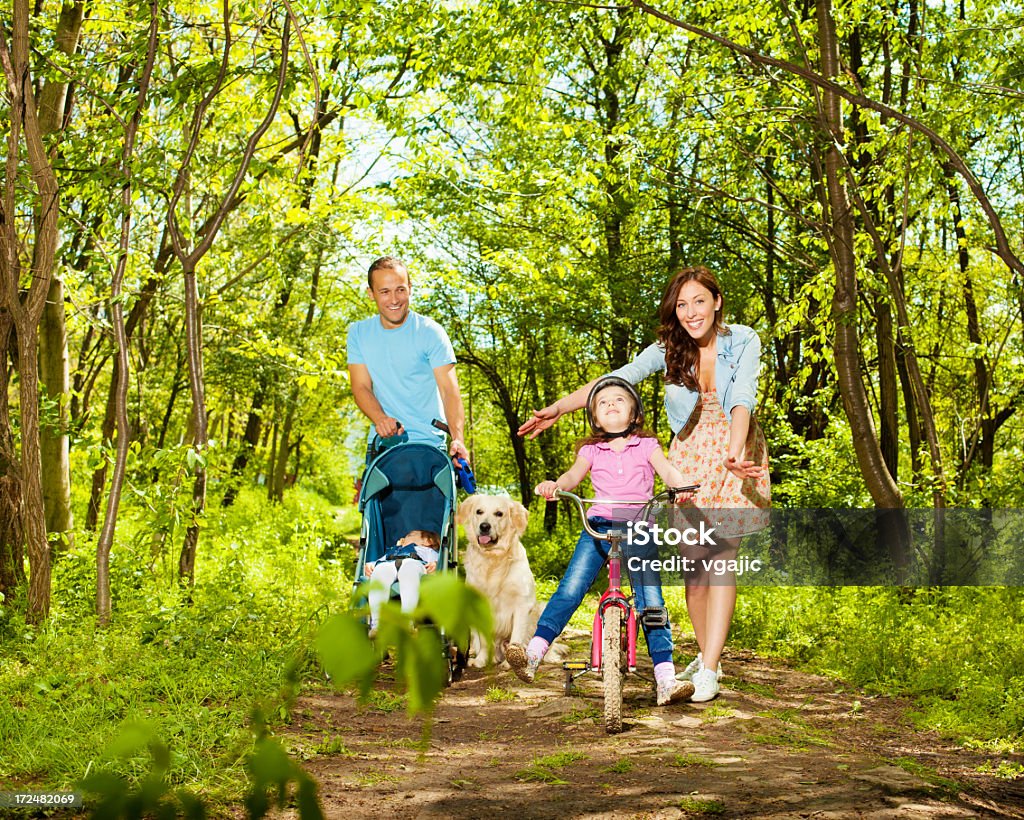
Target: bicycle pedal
<point>575,665</point>
<point>654,616</point>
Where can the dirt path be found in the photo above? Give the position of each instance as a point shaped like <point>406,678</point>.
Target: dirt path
<point>775,744</point>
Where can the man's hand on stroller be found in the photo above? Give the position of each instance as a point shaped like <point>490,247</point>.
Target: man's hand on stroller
<point>368,568</point>
<point>388,427</point>
<point>431,567</point>
<point>457,449</point>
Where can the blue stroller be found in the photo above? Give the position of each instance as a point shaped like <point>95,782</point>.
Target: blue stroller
<point>408,486</point>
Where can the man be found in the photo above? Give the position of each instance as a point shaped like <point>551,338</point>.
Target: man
<point>402,364</point>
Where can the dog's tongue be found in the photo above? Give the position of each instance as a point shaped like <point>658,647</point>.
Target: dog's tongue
<point>484,539</point>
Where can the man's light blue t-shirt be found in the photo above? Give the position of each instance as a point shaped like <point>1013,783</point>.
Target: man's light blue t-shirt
<point>401,362</point>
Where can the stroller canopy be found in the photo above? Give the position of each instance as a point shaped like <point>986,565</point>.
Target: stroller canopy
<point>407,487</point>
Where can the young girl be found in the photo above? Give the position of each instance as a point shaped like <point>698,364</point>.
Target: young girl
<point>622,459</point>
<point>408,561</point>
<point>710,376</point>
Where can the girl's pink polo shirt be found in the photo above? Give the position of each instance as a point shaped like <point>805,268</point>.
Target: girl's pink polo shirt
<point>625,476</point>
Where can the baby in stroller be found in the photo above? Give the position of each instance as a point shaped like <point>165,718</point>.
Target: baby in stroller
<point>413,556</point>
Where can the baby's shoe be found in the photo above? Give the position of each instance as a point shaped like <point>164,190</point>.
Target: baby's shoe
<point>524,665</point>
<point>705,683</point>
<point>671,690</point>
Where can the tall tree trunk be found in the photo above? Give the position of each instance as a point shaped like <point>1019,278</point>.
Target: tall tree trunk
<point>502,395</point>
<point>55,444</point>
<point>189,257</point>
<point>276,480</point>
<point>138,311</point>
<point>12,556</point>
<point>54,371</point>
<point>981,439</point>
<point>888,387</point>
<point>247,446</point>
<point>197,386</point>
<point>34,520</point>
<point>26,309</point>
<point>839,226</point>
<point>893,528</point>
<point>122,370</point>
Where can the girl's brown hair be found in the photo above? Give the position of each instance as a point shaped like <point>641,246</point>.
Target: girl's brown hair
<point>682,355</point>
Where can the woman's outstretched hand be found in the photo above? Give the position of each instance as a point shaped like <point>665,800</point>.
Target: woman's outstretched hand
<point>541,421</point>
<point>743,469</point>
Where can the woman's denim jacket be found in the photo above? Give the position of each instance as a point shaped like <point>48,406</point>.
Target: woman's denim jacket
<point>739,360</point>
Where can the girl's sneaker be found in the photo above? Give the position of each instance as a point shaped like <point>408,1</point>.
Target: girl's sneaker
<point>525,666</point>
<point>705,684</point>
<point>694,666</point>
<point>671,690</point>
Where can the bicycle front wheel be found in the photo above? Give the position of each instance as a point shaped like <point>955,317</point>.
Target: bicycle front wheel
<point>611,668</point>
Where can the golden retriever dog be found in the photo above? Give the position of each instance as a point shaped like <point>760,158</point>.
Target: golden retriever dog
<point>496,565</point>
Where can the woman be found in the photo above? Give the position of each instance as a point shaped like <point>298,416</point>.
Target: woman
<point>710,372</point>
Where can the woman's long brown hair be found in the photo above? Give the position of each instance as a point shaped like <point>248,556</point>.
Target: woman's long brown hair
<point>682,355</point>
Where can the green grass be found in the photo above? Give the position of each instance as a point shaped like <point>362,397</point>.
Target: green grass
<point>752,688</point>
<point>903,642</point>
<point>687,760</point>
<point>715,712</point>
<point>620,766</point>
<point>579,715</point>
<point>914,767</point>
<point>700,807</point>
<point>795,731</point>
<point>329,746</point>
<point>496,694</point>
<point>384,701</point>
<point>189,673</point>
<point>795,737</point>
<point>376,778</point>
<point>1004,769</point>
<point>546,769</point>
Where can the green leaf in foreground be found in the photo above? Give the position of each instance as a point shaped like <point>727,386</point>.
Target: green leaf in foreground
<point>346,653</point>
<point>455,607</point>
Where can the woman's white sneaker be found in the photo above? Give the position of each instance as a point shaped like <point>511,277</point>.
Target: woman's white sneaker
<point>705,685</point>
<point>691,668</point>
<point>694,666</point>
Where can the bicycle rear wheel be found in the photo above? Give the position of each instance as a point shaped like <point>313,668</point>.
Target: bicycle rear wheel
<point>611,668</point>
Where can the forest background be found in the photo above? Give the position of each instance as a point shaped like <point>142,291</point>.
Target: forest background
<point>192,192</point>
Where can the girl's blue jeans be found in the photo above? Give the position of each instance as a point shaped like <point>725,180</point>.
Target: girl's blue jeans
<point>585,565</point>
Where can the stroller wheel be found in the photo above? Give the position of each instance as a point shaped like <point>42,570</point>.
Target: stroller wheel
<point>456,663</point>
<point>458,666</point>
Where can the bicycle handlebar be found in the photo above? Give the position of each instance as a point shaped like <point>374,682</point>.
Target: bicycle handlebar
<point>578,502</point>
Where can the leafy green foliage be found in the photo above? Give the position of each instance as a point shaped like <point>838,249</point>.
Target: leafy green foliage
<point>955,649</point>
<point>447,608</point>
<point>269,767</point>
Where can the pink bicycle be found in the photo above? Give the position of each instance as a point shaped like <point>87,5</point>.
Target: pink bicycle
<point>616,622</point>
